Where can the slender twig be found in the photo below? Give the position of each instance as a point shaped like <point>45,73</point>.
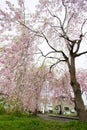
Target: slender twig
<point>53,15</point>
<point>46,55</point>
<point>83,25</point>
<point>49,43</point>
<point>56,64</point>
<point>78,44</point>
<point>65,12</point>
<point>69,21</point>
<point>27,27</point>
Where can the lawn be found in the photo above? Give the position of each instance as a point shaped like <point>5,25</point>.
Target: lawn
<point>13,122</point>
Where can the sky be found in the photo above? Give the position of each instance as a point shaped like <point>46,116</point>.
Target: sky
<point>30,4</point>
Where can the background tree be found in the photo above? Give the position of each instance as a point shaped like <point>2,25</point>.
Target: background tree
<point>16,58</point>
<point>63,87</point>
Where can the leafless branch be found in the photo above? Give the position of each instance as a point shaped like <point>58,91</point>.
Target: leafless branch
<point>49,43</point>
<point>79,54</point>
<point>46,56</point>
<point>56,28</point>
<point>37,33</point>
<point>58,60</point>
<point>64,55</point>
<point>51,52</point>
<point>56,64</point>
<point>28,27</point>
<point>69,21</point>
<point>83,26</point>
<point>66,37</point>
<point>84,33</point>
<point>65,12</point>
<point>55,51</point>
<point>53,15</point>
<point>78,44</point>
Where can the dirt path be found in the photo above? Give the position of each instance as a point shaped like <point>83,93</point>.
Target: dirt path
<point>59,118</point>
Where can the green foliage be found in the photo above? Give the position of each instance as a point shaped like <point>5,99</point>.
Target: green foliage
<point>2,103</point>
<point>2,110</point>
<point>26,122</point>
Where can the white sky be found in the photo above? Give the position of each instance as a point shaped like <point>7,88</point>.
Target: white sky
<point>30,4</point>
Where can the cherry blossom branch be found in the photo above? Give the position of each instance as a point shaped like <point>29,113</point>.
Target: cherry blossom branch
<point>32,30</point>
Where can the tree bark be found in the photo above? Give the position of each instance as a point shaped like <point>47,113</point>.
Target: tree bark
<point>35,112</point>
<point>80,108</point>
<point>81,111</point>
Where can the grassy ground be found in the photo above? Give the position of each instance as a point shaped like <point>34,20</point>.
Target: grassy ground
<point>12,122</point>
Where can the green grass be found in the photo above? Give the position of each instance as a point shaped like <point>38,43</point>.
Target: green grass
<point>13,122</point>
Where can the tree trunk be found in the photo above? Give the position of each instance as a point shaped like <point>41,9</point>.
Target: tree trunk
<point>35,112</point>
<point>36,105</point>
<point>81,111</point>
<point>80,108</point>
